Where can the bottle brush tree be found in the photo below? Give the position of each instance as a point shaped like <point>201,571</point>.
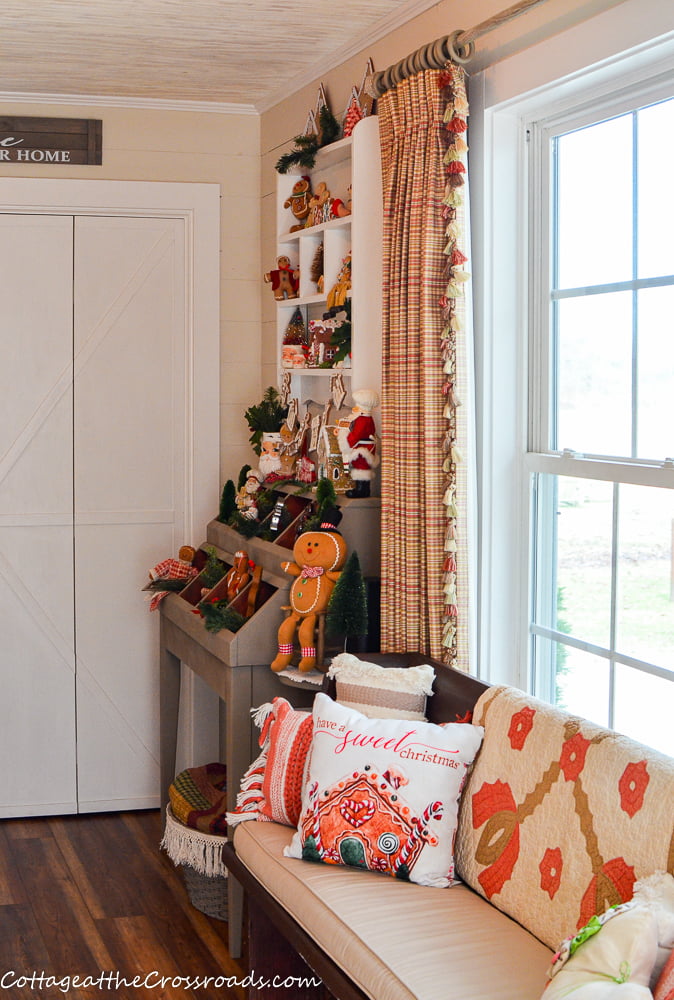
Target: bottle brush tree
<point>347,610</point>
<point>227,501</point>
<point>325,497</point>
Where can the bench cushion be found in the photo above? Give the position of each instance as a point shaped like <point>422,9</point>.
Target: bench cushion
<point>396,940</point>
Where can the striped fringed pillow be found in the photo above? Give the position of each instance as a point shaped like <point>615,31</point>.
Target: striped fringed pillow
<point>271,788</point>
<point>382,692</point>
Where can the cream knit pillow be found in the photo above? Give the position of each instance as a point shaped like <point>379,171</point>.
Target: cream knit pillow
<point>382,692</point>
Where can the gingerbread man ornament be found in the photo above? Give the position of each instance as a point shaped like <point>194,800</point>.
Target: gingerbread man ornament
<point>318,559</point>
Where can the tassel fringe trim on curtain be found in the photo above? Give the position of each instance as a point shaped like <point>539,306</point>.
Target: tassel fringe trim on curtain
<point>452,81</point>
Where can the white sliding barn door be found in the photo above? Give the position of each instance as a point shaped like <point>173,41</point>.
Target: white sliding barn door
<point>108,463</point>
<point>129,437</point>
<point>37,659</point>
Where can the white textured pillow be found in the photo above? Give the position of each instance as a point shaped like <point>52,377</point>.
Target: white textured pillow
<point>382,692</point>
<point>613,963</point>
<point>382,794</point>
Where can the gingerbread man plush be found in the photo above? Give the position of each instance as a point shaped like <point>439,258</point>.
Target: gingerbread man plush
<point>318,559</point>
<point>284,279</point>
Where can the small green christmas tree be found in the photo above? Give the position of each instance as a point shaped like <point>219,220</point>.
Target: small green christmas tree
<point>227,501</point>
<point>213,570</point>
<point>347,610</point>
<point>325,497</point>
<point>243,476</point>
<point>296,331</point>
<point>325,494</point>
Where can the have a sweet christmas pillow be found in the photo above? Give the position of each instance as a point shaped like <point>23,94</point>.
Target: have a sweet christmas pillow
<point>382,794</point>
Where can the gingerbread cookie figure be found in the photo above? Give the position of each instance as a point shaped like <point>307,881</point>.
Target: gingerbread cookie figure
<point>358,441</point>
<point>238,576</point>
<point>284,280</point>
<point>298,202</point>
<point>316,205</point>
<point>318,559</point>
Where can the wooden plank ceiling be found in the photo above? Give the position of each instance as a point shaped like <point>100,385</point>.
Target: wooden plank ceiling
<point>198,50</point>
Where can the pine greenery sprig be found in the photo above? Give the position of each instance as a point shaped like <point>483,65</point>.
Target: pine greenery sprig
<point>213,570</point>
<point>306,146</point>
<point>217,616</point>
<point>303,155</point>
<point>166,584</point>
<point>244,525</point>
<point>267,415</point>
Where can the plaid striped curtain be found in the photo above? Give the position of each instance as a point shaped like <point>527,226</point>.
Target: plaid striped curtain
<point>424,527</point>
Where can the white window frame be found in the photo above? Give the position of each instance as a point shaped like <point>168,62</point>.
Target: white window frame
<point>539,457</point>
<point>594,62</point>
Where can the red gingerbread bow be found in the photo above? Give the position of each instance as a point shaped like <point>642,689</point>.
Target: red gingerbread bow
<point>312,571</point>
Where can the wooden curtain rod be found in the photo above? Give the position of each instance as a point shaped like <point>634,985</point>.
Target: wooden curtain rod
<point>457,48</point>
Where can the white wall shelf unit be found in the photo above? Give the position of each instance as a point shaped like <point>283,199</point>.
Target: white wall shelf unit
<point>354,161</point>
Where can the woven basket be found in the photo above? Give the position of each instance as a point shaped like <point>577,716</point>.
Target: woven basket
<point>197,855</point>
<point>207,893</point>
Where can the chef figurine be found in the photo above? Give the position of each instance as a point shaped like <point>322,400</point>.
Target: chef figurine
<point>358,441</point>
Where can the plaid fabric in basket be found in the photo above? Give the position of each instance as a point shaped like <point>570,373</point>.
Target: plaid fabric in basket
<point>198,798</point>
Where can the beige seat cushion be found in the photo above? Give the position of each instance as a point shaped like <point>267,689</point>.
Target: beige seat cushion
<point>399,941</point>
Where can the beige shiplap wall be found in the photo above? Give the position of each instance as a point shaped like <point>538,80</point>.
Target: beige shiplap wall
<point>148,144</point>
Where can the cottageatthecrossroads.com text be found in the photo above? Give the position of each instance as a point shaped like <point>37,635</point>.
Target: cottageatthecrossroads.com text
<point>113,981</point>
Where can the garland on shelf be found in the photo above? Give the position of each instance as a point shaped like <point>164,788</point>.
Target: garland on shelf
<point>307,146</point>
<point>217,615</point>
<point>452,82</point>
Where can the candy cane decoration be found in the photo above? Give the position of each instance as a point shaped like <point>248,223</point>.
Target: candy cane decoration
<point>433,811</point>
<point>316,826</point>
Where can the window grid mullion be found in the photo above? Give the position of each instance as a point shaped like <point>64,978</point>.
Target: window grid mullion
<point>613,620</point>
<point>553,375</point>
<point>635,276</point>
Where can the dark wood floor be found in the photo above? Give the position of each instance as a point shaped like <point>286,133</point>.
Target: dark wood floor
<point>92,894</point>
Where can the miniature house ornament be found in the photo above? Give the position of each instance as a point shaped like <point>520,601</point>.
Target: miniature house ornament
<point>358,441</point>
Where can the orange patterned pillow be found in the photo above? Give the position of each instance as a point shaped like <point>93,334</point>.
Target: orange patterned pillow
<point>559,816</point>
<point>271,788</point>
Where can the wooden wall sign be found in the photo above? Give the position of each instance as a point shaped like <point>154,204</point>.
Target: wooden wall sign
<point>51,140</point>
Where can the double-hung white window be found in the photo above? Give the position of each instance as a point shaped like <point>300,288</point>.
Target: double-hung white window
<point>600,452</point>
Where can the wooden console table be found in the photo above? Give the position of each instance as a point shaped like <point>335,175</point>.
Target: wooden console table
<point>236,667</point>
